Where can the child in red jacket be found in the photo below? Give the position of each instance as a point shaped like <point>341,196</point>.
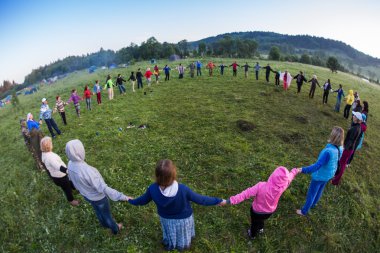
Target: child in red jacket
<point>87,95</point>
<point>148,75</point>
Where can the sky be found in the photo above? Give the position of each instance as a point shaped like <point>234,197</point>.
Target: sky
<point>34,33</point>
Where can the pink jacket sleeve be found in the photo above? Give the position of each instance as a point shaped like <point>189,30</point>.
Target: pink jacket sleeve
<point>246,194</point>
<point>292,174</point>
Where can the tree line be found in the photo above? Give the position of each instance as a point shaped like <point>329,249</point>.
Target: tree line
<point>233,46</point>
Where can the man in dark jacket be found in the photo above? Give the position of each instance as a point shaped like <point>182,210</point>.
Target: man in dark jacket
<point>268,69</point>
<point>352,137</point>
<point>300,78</point>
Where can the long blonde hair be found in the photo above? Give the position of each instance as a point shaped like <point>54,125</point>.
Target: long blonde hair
<point>336,136</point>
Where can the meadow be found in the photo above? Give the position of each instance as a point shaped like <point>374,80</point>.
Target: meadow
<point>194,122</point>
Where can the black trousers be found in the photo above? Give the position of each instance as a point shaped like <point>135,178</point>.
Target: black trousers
<point>63,116</point>
<point>299,85</point>
<point>267,77</point>
<point>51,124</point>
<point>66,186</point>
<point>257,75</point>
<point>234,72</point>
<point>325,96</point>
<point>347,111</point>
<point>257,222</point>
<point>167,76</point>
<point>312,90</point>
<point>277,81</point>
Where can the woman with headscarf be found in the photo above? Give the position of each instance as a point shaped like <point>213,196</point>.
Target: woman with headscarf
<point>35,139</point>
<point>287,79</point>
<point>314,83</point>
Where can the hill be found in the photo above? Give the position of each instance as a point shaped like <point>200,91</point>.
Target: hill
<point>194,123</point>
<point>348,56</point>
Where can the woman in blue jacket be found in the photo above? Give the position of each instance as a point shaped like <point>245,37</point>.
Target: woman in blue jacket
<point>324,169</point>
<point>173,206</point>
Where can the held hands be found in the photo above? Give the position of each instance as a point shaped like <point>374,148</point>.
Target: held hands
<point>223,203</point>
<point>40,122</point>
<point>129,198</point>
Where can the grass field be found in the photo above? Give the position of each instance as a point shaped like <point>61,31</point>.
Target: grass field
<point>194,123</point>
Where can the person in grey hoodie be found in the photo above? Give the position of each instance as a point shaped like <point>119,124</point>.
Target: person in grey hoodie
<point>88,181</point>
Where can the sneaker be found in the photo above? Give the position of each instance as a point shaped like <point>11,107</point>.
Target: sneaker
<point>249,234</point>
<point>261,231</point>
<point>299,212</point>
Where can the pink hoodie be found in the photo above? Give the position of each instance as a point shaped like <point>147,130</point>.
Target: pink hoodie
<point>267,194</point>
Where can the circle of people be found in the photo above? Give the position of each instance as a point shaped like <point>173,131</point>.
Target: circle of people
<point>173,198</point>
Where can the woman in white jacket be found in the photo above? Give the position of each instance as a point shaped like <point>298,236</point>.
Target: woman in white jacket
<point>57,169</point>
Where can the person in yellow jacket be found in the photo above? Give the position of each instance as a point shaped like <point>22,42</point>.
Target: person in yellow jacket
<point>349,101</point>
<point>109,86</point>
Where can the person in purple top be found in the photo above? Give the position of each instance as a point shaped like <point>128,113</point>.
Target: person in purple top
<point>173,205</point>
<point>75,99</point>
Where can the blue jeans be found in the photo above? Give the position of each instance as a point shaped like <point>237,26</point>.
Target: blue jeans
<point>103,212</point>
<point>337,105</point>
<point>121,88</point>
<point>139,83</point>
<point>313,195</point>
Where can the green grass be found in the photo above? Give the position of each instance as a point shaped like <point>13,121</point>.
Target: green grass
<point>193,122</point>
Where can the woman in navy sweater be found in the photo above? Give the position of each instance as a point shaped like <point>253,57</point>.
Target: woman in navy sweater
<point>173,206</point>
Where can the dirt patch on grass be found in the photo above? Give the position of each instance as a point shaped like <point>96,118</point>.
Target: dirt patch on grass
<point>292,137</point>
<point>245,126</point>
<point>327,114</point>
<point>301,119</point>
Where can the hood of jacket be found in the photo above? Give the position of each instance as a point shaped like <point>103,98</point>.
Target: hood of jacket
<point>75,151</point>
<point>278,180</point>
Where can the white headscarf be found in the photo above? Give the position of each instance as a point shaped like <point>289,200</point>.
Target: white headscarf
<point>28,117</point>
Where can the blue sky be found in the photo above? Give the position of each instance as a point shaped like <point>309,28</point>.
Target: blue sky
<point>38,32</point>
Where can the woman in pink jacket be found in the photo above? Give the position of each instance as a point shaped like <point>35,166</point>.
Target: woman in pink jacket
<point>266,194</point>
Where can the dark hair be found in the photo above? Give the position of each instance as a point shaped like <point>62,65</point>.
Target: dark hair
<point>365,105</point>
<point>56,98</point>
<point>118,75</point>
<point>108,77</point>
<point>86,87</point>
<point>73,90</point>
<point>97,81</point>
<point>132,73</point>
<point>358,103</point>
<point>166,173</point>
